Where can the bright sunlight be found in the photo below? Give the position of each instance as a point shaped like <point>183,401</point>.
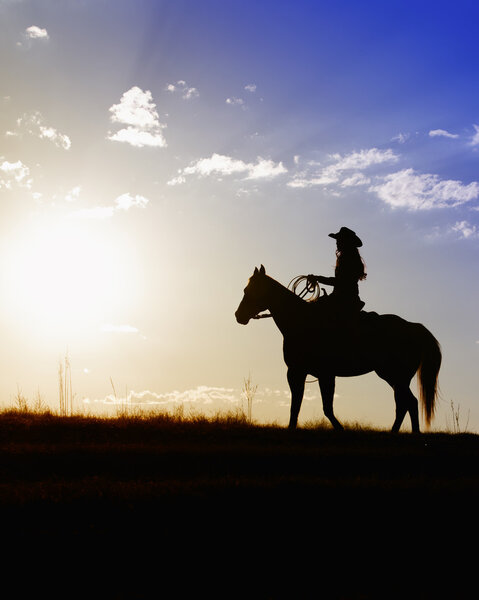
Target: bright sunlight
<point>63,275</point>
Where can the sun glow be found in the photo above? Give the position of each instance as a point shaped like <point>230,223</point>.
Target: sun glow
<point>64,276</point>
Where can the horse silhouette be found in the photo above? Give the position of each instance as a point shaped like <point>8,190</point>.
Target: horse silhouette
<point>313,344</point>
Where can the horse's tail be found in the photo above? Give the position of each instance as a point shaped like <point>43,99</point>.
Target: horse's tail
<point>428,373</point>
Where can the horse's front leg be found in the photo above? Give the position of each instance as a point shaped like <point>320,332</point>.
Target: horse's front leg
<point>296,379</point>
<point>326,385</point>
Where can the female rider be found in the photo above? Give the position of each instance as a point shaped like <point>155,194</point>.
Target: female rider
<point>350,269</point>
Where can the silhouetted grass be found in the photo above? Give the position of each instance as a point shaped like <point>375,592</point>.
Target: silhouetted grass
<point>222,491</point>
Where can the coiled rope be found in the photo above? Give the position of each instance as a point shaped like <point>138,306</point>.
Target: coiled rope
<point>311,286</point>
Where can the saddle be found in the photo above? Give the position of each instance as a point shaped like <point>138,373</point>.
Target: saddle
<point>346,329</point>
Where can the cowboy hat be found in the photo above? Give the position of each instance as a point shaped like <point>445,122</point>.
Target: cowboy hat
<point>347,235</point>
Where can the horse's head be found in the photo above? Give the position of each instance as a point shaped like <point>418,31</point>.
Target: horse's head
<point>254,299</point>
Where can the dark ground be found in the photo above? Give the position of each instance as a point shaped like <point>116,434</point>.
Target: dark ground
<point>164,508</point>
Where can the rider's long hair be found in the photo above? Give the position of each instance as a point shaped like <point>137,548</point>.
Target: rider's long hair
<point>348,257</point>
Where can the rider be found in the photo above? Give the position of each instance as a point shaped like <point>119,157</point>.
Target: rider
<point>350,269</point>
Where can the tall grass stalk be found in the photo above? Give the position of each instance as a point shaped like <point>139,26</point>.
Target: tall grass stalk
<point>21,401</point>
<point>65,388</point>
<point>122,404</point>
<point>39,405</point>
<point>456,426</point>
<point>248,393</point>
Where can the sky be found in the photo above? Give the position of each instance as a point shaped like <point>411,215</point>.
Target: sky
<point>153,153</point>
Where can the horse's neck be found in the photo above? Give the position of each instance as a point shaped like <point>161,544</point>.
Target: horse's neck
<point>284,305</point>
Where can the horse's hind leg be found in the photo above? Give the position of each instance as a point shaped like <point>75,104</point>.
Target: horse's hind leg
<point>401,409</point>
<point>327,385</point>
<point>413,412</point>
<point>406,402</point>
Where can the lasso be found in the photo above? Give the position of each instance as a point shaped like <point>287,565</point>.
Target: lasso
<point>311,286</point>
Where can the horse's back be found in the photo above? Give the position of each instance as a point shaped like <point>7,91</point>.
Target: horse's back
<point>386,324</point>
<point>394,336</point>
<point>366,327</point>
<point>385,320</point>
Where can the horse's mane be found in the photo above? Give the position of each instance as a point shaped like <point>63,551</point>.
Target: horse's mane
<point>288,294</point>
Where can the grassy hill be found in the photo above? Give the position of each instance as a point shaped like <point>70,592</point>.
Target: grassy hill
<point>244,502</point>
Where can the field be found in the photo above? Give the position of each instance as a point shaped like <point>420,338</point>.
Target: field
<point>131,507</point>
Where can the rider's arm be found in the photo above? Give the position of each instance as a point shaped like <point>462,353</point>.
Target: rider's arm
<point>325,280</point>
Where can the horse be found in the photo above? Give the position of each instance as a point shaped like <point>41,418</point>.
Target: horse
<point>313,344</point>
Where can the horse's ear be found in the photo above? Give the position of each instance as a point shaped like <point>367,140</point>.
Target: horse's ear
<point>255,271</point>
<point>262,270</point>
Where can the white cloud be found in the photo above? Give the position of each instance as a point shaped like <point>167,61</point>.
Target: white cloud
<point>138,137</point>
<point>363,159</point>
<point>122,203</point>
<point>191,92</point>
<point>355,180</point>
<point>178,180</point>
<point>251,87</point>
<point>243,192</point>
<point>127,201</point>
<point>33,124</point>
<point>205,400</point>
<point>265,169</point>
<point>442,133</point>
<point>73,194</point>
<point>235,101</point>
<point>187,92</point>
<point>59,139</point>
<point>36,33</point>
<point>475,137</point>
<point>203,395</point>
<point>401,138</point>
<point>14,174</point>
<point>305,180</point>
<point>408,189</point>
<point>466,230</point>
<point>137,110</point>
<point>355,161</point>
<point>219,164</point>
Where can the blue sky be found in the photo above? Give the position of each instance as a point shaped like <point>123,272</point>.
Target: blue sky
<point>153,153</point>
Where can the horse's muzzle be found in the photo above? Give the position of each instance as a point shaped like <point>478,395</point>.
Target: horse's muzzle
<point>241,319</point>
